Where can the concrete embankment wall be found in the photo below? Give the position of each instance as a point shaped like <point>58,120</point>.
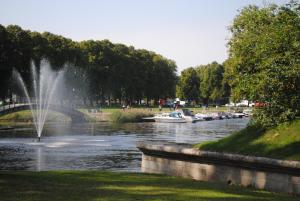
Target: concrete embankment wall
<point>258,172</point>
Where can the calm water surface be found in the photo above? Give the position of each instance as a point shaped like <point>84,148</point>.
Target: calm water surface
<point>100,146</point>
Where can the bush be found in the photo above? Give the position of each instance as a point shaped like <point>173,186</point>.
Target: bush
<point>129,116</point>
<point>272,115</point>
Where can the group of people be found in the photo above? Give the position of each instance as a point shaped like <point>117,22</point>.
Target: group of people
<point>162,102</point>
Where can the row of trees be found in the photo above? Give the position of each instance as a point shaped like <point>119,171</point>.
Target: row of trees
<point>263,65</point>
<point>101,70</point>
<point>95,70</point>
<point>205,84</point>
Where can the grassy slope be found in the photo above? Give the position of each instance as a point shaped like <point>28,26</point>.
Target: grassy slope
<point>25,116</point>
<point>132,115</point>
<point>282,142</point>
<point>97,185</point>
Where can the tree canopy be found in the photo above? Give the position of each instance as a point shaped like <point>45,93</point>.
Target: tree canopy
<point>204,83</point>
<point>96,70</point>
<point>264,60</point>
<point>188,86</point>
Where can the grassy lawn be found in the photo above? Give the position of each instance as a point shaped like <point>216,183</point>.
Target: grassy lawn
<point>98,185</point>
<point>26,116</point>
<point>282,142</point>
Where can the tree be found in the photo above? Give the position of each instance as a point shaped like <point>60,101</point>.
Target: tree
<point>5,68</point>
<point>59,50</point>
<point>39,47</point>
<point>213,87</point>
<point>264,60</point>
<point>188,85</point>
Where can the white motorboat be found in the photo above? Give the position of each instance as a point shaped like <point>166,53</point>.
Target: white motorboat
<point>204,117</point>
<point>173,117</point>
<point>237,115</point>
<point>189,116</point>
<point>216,115</point>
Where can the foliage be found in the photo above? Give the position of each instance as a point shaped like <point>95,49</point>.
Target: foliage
<point>204,82</point>
<point>96,70</point>
<point>188,85</point>
<point>264,60</point>
<point>281,142</point>
<point>114,186</point>
<point>129,115</point>
<point>212,85</point>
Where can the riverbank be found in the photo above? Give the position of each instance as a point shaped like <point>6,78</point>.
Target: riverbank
<point>282,142</point>
<point>114,115</point>
<point>136,114</point>
<point>99,185</point>
<point>26,116</point>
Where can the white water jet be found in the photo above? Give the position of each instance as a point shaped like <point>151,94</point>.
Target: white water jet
<point>44,87</point>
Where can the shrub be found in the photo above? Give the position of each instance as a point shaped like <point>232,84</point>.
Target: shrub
<point>272,115</point>
<point>128,116</point>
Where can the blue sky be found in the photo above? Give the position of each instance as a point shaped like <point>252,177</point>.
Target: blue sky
<point>191,32</point>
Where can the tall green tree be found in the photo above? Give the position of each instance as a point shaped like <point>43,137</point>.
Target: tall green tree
<point>264,60</point>
<point>213,87</point>
<point>5,62</point>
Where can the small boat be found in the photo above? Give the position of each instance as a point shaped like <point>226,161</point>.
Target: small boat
<point>225,115</point>
<point>216,116</point>
<point>237,115</point>
<point>189,116</point>
<point>173,117</point>
<point>148,119</point>
<point>204,117</point>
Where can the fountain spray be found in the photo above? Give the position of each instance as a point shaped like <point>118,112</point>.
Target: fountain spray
<point>44,86</point>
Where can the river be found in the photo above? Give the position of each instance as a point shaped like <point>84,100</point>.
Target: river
<point>99,146</point>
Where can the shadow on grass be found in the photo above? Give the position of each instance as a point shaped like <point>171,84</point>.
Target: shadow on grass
<point>233,142</point>
<point>285,152</point>
<point>280,143</point>
<point>96,185</point>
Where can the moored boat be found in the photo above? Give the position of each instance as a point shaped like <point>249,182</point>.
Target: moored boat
<point>204,117</point>
<point>173,117</point>
<point>189,116</point>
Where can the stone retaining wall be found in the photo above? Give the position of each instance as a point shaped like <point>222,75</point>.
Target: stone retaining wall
<point>258,172</point>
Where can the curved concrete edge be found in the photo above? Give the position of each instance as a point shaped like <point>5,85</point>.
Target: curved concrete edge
<point>248,171</point>
<point>218,155</point>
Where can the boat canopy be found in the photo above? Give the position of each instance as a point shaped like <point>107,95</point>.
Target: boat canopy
<point>176,114</point>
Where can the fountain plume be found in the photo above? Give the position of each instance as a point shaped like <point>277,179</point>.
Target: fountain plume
<point>44,87</point>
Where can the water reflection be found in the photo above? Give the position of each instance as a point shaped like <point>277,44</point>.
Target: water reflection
<point>99,145</point>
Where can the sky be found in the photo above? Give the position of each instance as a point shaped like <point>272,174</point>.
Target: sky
<point>190,32</point>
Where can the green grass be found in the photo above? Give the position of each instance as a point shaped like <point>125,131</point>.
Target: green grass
<point>129,115</point>
<point>106,110</point>
<point>282,142</point>
<point>109,186</point>
<point>156,109</point>
<point>26,116</point>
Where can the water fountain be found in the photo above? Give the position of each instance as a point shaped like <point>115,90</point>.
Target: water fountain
<point>44,87</point>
